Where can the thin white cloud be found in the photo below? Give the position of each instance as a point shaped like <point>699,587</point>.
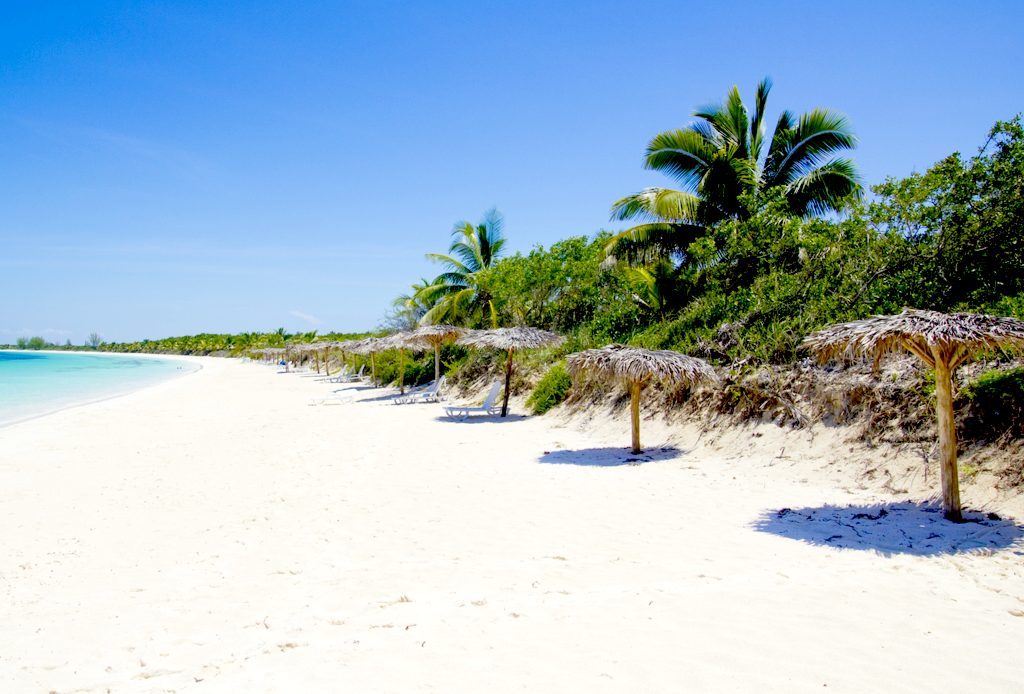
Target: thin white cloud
<point>312,320</point>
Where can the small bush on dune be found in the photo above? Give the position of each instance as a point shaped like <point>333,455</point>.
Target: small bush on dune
<point>996,404</point>
<point>552,389</point>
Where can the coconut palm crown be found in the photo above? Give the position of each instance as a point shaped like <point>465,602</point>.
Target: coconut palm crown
<point>727,155</point>
<point>458,293</point>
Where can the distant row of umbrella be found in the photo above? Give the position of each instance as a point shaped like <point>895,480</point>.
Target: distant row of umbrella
<point>942,341</point>
<point>430,337</point>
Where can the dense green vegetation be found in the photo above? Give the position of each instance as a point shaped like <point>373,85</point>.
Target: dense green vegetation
<point>752,284</point>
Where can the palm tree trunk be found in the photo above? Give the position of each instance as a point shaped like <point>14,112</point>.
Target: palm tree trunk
<point>508,383</point>
<point>947,441</point>
<point>634,411</point>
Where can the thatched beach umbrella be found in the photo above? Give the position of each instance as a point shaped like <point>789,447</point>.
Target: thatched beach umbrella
<point>943,342</point>
<point>328,346</point>
<point>370,346</point>
<point>268,353</point>
<point>403,341</point>
<point>435,336</point>
<point>636,368</point>
<point>311,348</point>
<point>510,339</point>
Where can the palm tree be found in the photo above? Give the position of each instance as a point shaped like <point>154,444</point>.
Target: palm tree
<point>409,308</point>
<point>460,293</point>
<point>722,163</point>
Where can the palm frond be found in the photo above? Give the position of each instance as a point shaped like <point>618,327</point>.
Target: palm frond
<point>658,204</point>
<point>466,246</point>
<point>816,136</point>
<point>757,119</point>
<point>682,154</point>
<point>729,119</point>
<point>646,243</point>
<point>455,279</point>
<point>824,188</point>
<point>451,262</point>
<point>490,236</point>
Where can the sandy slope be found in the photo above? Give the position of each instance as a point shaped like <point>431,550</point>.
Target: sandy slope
<point>217,533</point>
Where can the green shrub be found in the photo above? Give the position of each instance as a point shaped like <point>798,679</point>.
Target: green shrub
<point>552,389</point>
<point>996,403</point>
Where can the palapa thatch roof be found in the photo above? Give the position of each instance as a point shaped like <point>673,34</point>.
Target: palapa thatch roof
<point>268,350</point>
<point>371,345</point>
<point>405,340</point>
<point>349,346</point>
<point>436,334</point>
<point>309,346</point>
<point>638,365</point>
<point>510,338</point>
<point>957,336</point>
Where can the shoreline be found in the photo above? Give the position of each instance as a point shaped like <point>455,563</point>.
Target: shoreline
<point>107,396</point>
<point>219,533</point>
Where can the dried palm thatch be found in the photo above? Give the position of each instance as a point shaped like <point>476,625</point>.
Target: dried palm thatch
<point>314,349</point>
<point>435,336</point>
<point>955,337</point>
<point>636,368</point>
<point>268,353</point>
<point>404,341</point>
<point>369,347</point>
<point>520,337</point>
<point>943,342</point>
<point>510,339</point>
<point>346,345</point>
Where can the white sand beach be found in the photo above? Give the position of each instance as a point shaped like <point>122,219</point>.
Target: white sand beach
<point>216,533</point>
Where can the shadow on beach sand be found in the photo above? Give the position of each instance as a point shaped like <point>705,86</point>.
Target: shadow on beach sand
<point>897,528</point>
<point>608,457</point>
<point>482,419</point>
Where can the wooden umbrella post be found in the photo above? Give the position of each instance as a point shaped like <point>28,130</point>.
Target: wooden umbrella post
<point>401,371</point>
<point>373,370</point>
<point>327,361</point>
<point>437,360</point>
<point>508,383</point>
<point>947,439</point>
<point>634,412</point>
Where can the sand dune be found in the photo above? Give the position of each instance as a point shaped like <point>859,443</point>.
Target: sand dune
<point>217,533</point>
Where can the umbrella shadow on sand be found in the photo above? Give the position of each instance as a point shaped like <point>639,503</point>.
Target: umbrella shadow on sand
<point>482,419</point>
<point>916,528</point>
<point>609,457</point>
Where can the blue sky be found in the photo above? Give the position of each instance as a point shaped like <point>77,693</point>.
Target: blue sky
<point>174,168</point>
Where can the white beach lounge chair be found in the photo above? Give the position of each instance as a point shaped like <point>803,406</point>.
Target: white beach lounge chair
<point>350,377</point>
<point>340,376</point>
<point>431,393</point>
<point>489,406</point>
<point>334,399</point>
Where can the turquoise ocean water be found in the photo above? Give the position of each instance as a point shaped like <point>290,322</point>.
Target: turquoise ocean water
<point>36,383</point>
